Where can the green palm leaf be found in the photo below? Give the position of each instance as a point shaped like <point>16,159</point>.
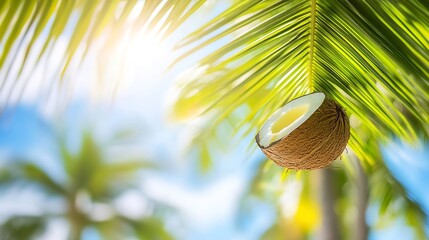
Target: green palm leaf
<point>370,56</point>
<point>25,172</point>
<point>83,23</point>
<point>294,47</point>
<point>22,227</point>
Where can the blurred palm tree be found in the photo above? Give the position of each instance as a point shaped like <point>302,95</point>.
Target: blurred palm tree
<point>92,181</point>
<point>370,56</point>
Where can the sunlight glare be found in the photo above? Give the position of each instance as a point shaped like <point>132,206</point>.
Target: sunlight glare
<point>136,58</point>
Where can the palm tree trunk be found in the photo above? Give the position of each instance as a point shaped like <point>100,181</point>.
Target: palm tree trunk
<point>362,203</point>
<point>76,223</point>
<point>330,229</point>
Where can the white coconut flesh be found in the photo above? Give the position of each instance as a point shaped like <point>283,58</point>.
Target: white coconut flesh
<point>289,117</point>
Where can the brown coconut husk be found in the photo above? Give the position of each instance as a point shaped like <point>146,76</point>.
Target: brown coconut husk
<point>315,143</point>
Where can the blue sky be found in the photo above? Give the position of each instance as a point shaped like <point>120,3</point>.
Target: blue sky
<point>410,165</point>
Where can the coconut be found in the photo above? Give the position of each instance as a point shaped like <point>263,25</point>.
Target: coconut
<point>309,132</point>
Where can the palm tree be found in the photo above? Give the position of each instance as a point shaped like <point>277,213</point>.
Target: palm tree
<point>370,56</point>
<point>92,181</point>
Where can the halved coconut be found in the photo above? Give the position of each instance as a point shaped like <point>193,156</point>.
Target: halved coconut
<point>309,132</point>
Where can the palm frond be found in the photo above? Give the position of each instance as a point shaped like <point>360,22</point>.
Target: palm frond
<point>30,30</point>
<point>372,66</point>
<point>370,56</point>
<point>30,173</point>
<point>22,227</point>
